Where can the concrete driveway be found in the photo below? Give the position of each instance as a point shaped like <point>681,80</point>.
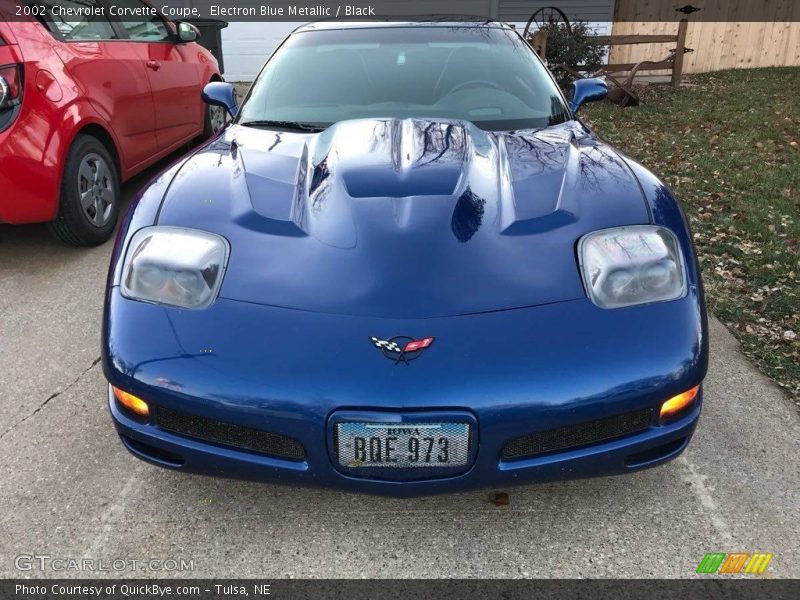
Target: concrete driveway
<point>69,490</point>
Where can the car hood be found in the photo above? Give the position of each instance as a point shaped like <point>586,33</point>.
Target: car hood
<point>404,218</point>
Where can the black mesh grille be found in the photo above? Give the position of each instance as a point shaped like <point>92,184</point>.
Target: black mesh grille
<point>581,434</point>
<point>228,434</point>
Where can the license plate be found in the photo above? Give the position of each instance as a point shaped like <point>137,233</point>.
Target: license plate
<point>403,446</point>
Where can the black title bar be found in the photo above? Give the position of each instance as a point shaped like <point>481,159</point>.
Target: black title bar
<point>516,11</point>
<point>713,586</point>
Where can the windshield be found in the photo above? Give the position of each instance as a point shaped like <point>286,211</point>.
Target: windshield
<point>488,76</point>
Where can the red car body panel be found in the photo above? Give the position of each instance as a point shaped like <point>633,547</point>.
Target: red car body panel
<point>142,97</point>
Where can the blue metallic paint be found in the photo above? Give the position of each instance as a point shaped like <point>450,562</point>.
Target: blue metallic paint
<point>587,90</point>
<point>333,241</point>
<point>305,203</point>
<point>288,371</point>
<point>220,93</point>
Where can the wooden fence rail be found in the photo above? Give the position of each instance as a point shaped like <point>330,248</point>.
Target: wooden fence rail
<point>673,64</point>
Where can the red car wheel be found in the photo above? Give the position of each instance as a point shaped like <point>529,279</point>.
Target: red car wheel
<point>90,195</point>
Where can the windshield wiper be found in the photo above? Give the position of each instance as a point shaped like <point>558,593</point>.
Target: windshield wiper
<point>283,125</point>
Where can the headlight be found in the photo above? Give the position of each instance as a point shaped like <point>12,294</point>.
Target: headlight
<point>631,265</point>
<point>174,266</point>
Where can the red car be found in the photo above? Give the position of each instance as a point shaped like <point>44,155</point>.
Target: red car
<point>85,104</point>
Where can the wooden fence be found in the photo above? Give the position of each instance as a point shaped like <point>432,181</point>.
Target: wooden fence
<point>664,62</point>
<point>747,34</point>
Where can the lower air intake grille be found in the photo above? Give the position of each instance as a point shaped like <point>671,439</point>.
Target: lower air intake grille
<point>228,434</point>
<point>573,436</point>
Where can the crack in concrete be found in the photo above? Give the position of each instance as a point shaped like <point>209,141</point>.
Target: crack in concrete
<point>51,397</point>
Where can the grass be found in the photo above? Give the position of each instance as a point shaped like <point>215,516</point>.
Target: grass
<point>727,144</point>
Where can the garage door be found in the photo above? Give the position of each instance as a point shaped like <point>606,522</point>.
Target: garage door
<point>246,46</point>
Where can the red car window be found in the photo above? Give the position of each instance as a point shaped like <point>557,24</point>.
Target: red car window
<point>79,27</point>
<point>145,28</point>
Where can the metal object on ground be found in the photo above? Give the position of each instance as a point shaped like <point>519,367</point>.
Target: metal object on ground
<point>624,93</point>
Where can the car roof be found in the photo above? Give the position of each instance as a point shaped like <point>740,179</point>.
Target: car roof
<point>422,21</point>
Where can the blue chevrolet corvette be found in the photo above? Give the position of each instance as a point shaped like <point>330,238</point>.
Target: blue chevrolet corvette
<point>405,267</point>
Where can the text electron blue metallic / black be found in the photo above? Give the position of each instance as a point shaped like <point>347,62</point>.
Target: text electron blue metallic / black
<point>412,227</point>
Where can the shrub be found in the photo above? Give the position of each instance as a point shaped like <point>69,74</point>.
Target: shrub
<point>571,49</point>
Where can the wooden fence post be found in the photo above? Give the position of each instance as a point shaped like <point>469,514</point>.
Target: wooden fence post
<point>540,44</point>
<point>677,65</point>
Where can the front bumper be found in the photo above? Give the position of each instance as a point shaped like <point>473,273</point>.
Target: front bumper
<point>512,372</point>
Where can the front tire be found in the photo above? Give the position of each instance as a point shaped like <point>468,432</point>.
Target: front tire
<point>214,121</point>
<point>90,196</point>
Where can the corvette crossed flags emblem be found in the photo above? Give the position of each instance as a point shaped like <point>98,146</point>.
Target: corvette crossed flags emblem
<point>402,348</point>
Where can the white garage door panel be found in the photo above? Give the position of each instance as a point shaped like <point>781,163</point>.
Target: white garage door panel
<point>585,10</point>
<point>599,14</point>
<point>247,46</point>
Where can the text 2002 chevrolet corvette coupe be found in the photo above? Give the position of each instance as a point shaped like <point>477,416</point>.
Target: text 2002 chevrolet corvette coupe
<point>405,268</point>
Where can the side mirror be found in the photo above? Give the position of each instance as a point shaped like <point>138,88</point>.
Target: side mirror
<point>187,32</point>
<point>587,90</point>
<point>219,93</point>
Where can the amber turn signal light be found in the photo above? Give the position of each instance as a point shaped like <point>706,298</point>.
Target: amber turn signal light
<point>676,405</point>
<point>136,405</point>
